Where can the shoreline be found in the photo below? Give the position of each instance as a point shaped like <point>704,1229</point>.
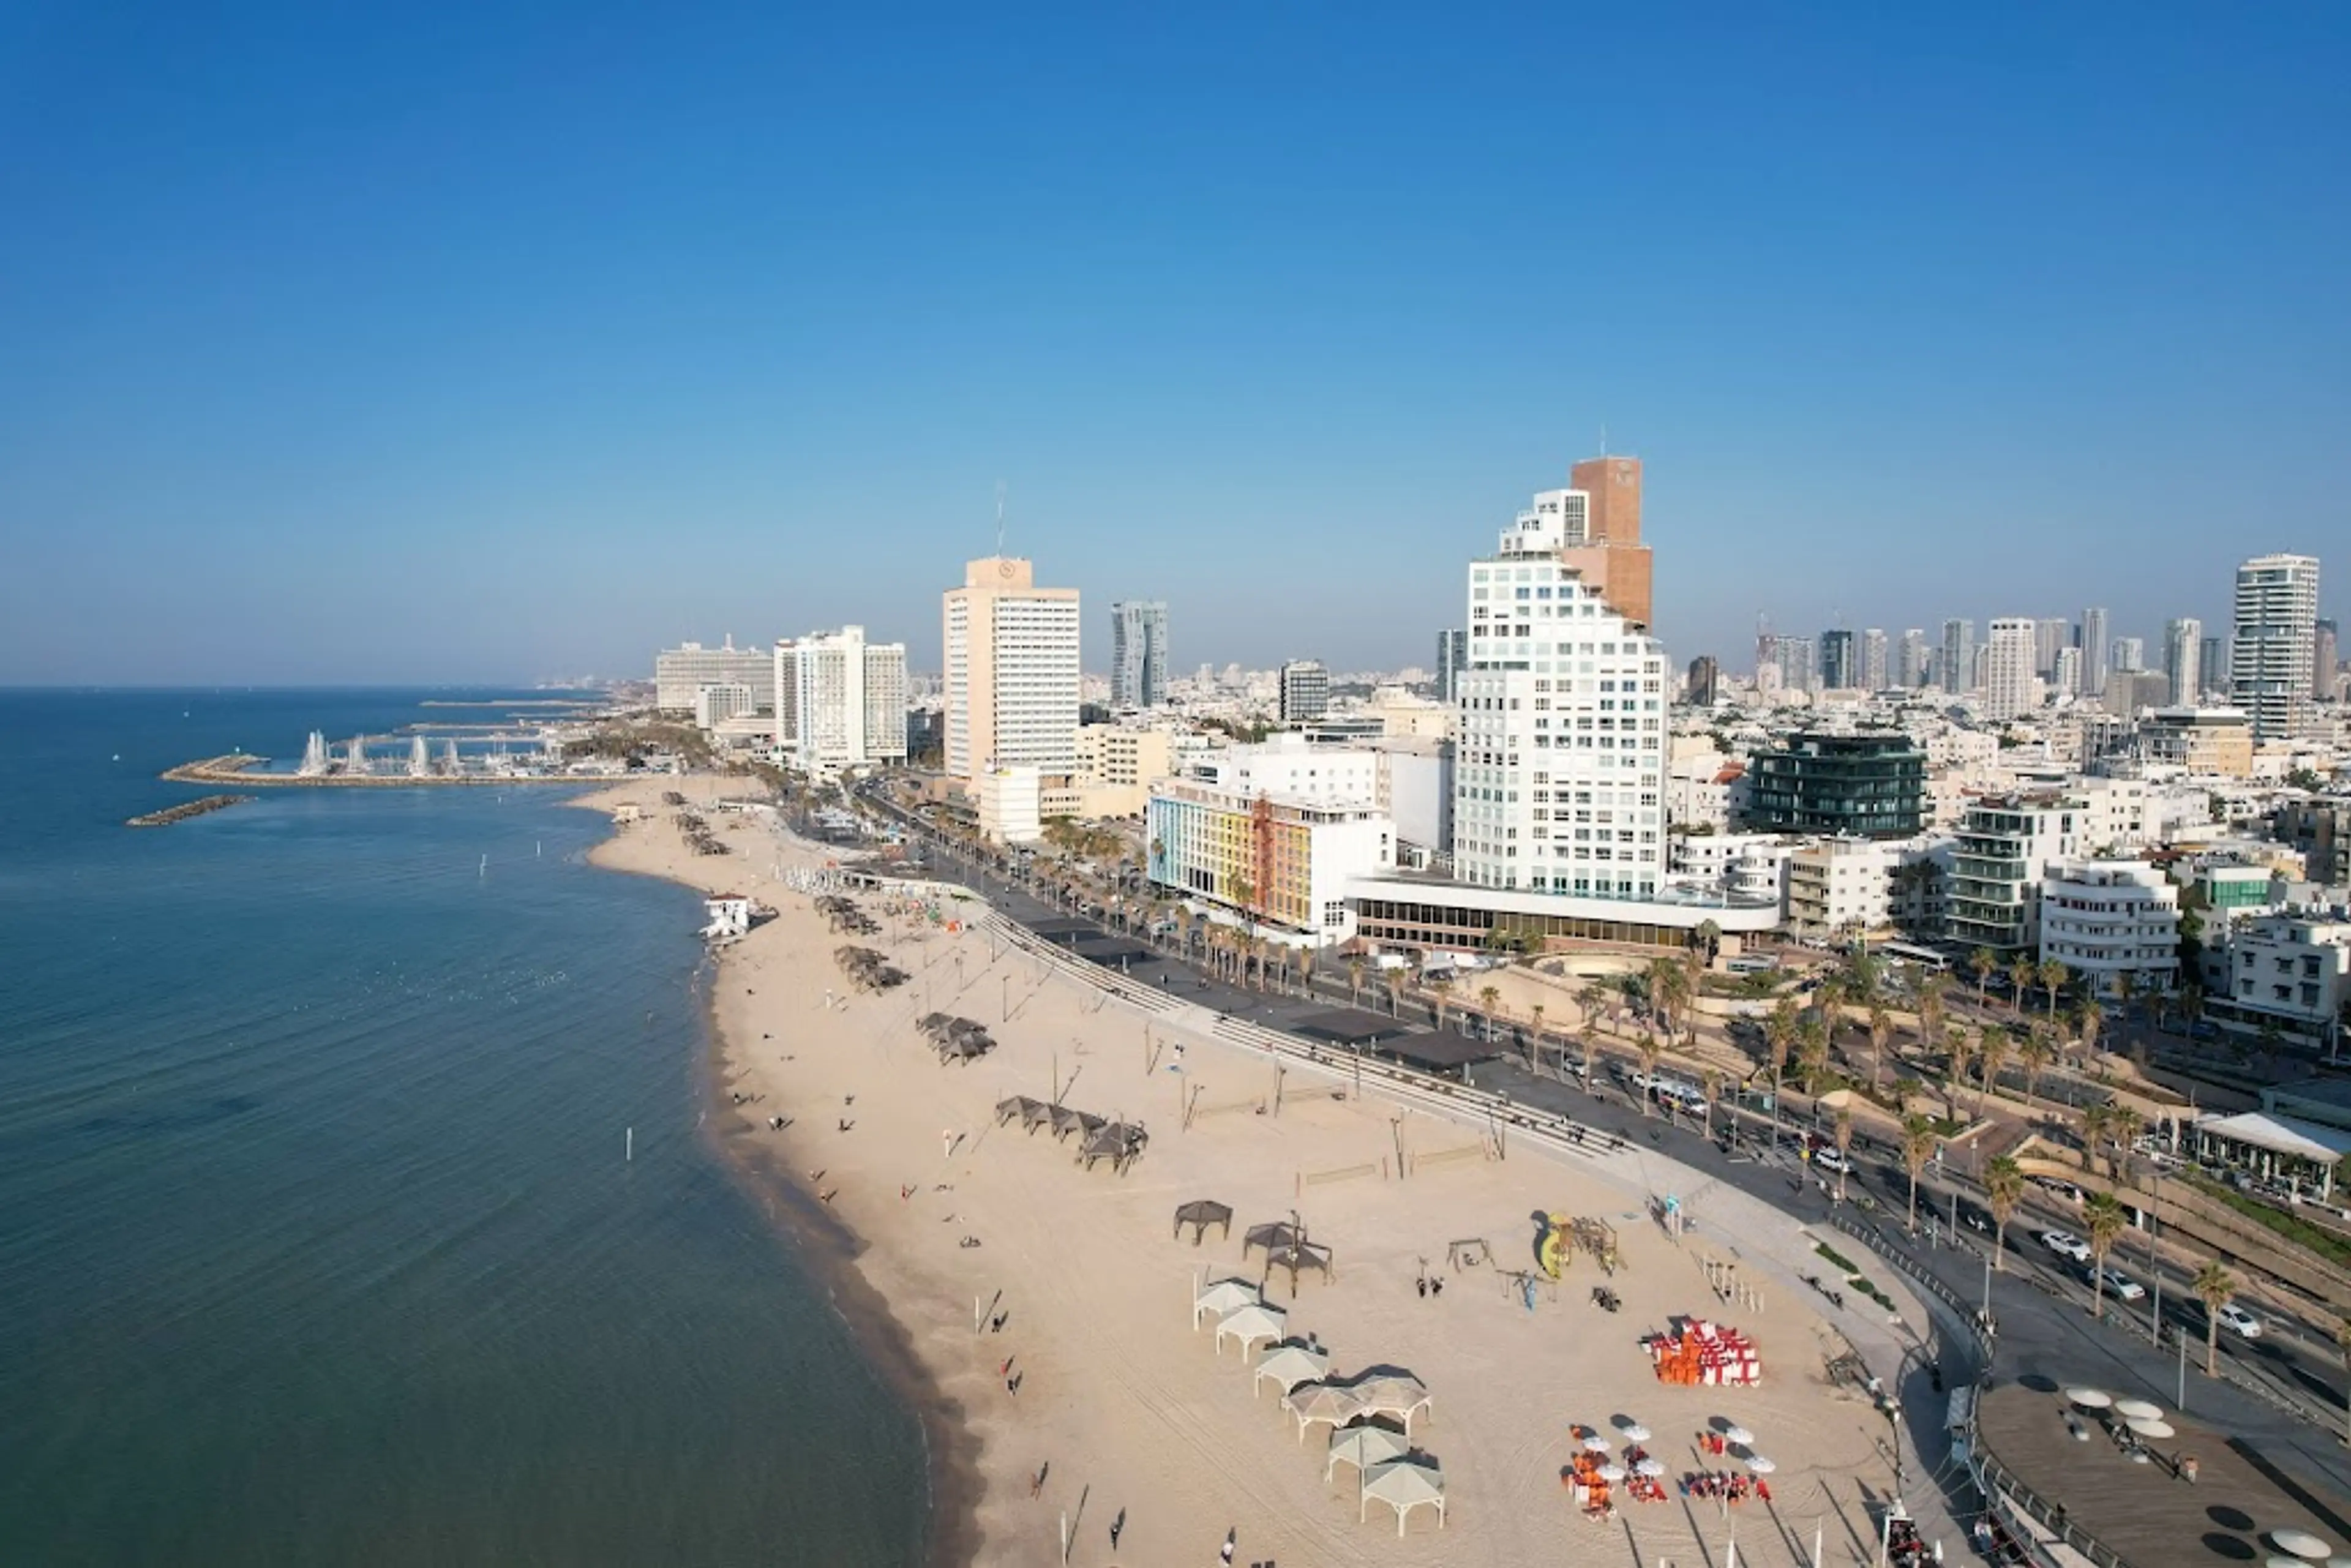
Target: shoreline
<point>830,1248</point>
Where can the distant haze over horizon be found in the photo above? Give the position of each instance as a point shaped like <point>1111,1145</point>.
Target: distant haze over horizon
<point>343,352</point>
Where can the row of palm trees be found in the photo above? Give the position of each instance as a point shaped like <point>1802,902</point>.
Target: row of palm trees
<point>2104,1220</point>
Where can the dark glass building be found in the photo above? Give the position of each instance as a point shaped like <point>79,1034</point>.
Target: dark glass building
<point>1870,785</point>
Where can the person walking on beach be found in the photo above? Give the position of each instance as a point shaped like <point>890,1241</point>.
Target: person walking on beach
<point>1232,1540</point>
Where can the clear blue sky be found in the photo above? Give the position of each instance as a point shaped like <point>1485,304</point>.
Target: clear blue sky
<point>498,341</point>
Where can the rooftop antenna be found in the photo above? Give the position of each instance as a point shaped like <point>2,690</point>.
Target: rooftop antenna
<point>1000,517</point>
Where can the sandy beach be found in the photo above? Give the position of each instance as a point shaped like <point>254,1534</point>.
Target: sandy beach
<point>1097,1379</point>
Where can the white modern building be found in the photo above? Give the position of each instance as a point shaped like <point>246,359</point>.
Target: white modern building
<point>2011,687</point>
<point>2003,844</point>
<point>715,704</point>
<point>1012,676</point>
<point>2090,637</point>
<point>1559,813</point>
<point>680,671</point>
<point>1280,864</point>
<point>1288,766</point>
<point>2183,647</point>
<point>1841,887</point>
<point>1138,653</point>
<point>1010,804</point>
<point>2290,971</point>
<point>1305,691</point>
<point>2103,919</point>
<point>850,701</point>
<point>2277,633</point>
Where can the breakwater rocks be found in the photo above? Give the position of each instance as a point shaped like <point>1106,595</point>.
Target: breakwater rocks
<point>186,808</point>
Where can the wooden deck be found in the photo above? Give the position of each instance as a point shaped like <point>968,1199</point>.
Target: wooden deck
<point>2143,1511</point>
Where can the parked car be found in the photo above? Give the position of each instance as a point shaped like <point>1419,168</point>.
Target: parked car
<point>2118,1285</point>
<point>1831,1161</point>
<point>2241,1322</point>
<point>2065,1244</point>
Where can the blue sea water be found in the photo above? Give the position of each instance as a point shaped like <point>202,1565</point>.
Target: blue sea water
<point>316,1239</point>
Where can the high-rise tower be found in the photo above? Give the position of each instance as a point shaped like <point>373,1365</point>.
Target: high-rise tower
<point>1012,673</point>
<point>2277,629</point>
<point>1138,653</point>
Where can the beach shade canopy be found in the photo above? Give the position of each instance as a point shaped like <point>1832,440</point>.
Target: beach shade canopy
<point>1635,1432</point>
<point>1250,1324</point>
<point>1018,1105</point>
<point>1200,1214</point>
<point>2302,1544</point>
<point>933,1023</point>
<point>1612,1473</point>
<point>1759,1465</point>
<point>1404,1485</point>
<point>2151,1427</point>
<point>2138,1410</point>
<point>2090,1398</point>
<point>1069,1119</point>
<point>1651,1468</point>
<point>1223,1298</point>
<point>1736,1434</point>
<point>1279,1233</point>
<point>1035,1113</point>
<point>1298,1256</point>
<point>1364,1447</point>
<point>1290,1365</point>
<point>1391,1391</point>
<point>1328,1402</point>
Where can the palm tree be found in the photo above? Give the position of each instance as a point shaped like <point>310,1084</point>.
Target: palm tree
<point>1962,1052</point>
<point>1489,998</point>
<point>1932,1013</point>
<point>1780,1032</point>
<point>1394,978</point>
<point>1534,1039</point>
<point>1992,1055</point>
<point>1589,999</point>
<point>2093,1017</point>
<point>1843,1126</point>
<point>2126,988</point>
<point>2053,977</point>
<point>1590,1047</point>
<point>1649,1049</point>
<point>2213,1286</point>
<point>1812,1052</point>
<point>2035,1056</point>
<point>2022,973</point>
<point>1355,981</point>
<point>2103,1216</point>
<point>2093,1132</point>
<point>1881,1032</point>
<point>1668,989</point>
<point>1983,964</point>
<point>1917,1144</point>
<point>2003,1190</point>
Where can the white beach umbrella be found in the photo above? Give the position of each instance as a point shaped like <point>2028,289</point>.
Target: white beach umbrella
<point>1404,1485</point>
<point>1612,1473</point>
<point>2302,1544</point>
<point>1290,1365</point>
<point>2138,1410</point>
<point>1596,1444</point>
<point>2090,1398</point>
<point>1651,1467</point>
<point>1738,1435</point>
<point>2151,1427</point>
<point>1635,1432</point>
<point>1250,1324</point>
<point>1364,1447</point>
<point>1222,1300</point>
<point>1759,1465</point>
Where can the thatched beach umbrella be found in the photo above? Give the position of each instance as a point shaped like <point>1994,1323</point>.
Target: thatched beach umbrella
<point>1326,1402</point>
<point>1364,1447</point>
<point>1404,1485</point>
<point>1279,1233</point>
<point>1223,1298</point>
<point>1290,1365</point>
<point>1200,1214</point>
<point>1250,1324</point>
<point>1297,1256</point>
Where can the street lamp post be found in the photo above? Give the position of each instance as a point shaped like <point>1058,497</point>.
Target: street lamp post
<point>2155,1261</point>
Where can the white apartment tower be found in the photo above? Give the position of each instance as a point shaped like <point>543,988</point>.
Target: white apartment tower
<point>681,671</point>
<point>1872,659</point>
<point>2010,684</point>
<point>1012,674</point>
<point>1910,665</point>
<point>2183,650</point>
<point>2091,638</point>
<point>2277,635</point>
<point>1560,768</point>
<point>1138,653</point>
<point>1958,656</point>
<point>850,701</point>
